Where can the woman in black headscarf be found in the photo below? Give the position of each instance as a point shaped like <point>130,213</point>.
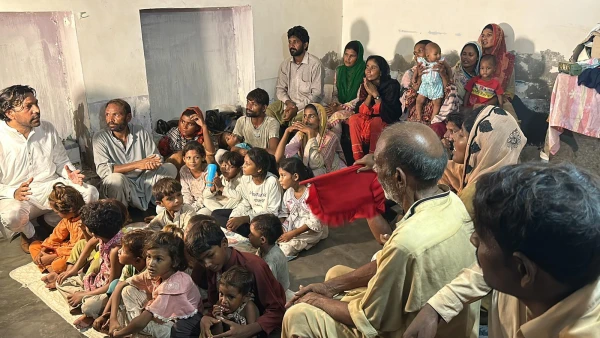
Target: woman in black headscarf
<point>378,106</point>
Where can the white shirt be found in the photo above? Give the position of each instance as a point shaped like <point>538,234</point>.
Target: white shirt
<point>41,155</point>
<point>258,199</point>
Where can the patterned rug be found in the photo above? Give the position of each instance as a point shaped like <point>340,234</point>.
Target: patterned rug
<point>30,277</point>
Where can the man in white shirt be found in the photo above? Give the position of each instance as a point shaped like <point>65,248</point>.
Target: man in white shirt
<point>127,159</point>
<point>33,160</point>
<point>300,79</point>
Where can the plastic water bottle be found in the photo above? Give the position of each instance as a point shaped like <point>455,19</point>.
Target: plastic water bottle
<point>211,172</point>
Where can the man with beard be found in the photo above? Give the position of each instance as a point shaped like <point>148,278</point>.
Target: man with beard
<point>127,159</point>
<point>300,79</point>
<point>33,160</point>
<point>430,243</point>
<point>256,128</point>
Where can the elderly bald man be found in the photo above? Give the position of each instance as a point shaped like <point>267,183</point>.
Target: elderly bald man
<point>429,246</point>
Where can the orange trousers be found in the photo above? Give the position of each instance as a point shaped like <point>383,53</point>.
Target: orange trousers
<point>58,265</point>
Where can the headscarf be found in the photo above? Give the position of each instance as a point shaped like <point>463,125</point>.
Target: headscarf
<point>348,79</point>
<point>198,112</point>
<point>384,70</point>
<point>322,114</point>
<point>461,77</point>
<point>505,62</point>
<point>495,141</point>
<point>389,90</point>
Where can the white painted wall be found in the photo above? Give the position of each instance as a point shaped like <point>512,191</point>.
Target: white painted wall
<point>192,56</point>
<point>112,54</point>
<point>40,50</point>
<point>389,27</point>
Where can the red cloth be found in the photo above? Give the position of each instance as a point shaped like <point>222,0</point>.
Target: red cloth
<point>269,295</point>
<point>365,128</point>
<point>439,128</point>
<point>345,195</point>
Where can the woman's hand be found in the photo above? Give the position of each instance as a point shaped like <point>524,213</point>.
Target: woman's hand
<point>370,88</point>
<point>301,127</point>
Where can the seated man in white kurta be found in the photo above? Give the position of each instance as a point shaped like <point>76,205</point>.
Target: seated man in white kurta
<point>127,159</point>
<point>33,160</point>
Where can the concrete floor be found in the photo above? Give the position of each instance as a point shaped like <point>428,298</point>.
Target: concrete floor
<point>22,314</point>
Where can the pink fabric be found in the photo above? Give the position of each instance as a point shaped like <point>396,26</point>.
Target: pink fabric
<point>572,107</point>
<point>93,282</point>
<point>175,298</point>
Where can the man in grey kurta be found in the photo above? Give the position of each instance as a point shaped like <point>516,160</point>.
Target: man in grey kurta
<point>127,159</point>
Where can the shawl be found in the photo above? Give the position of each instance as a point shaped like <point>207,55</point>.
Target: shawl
<point>505,62</point>
<point>348,79</point>
<point>345,195</point>
<point>494,142</point>
<point>322,114</point>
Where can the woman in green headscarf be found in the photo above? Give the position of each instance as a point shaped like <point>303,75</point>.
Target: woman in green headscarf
<point>348,78</point>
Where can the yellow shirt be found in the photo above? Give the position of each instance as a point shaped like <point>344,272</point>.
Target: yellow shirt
<point>429,247</point>
<point>575,316</point>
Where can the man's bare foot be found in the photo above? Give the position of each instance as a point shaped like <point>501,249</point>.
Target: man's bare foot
<point>50,280</point>
<point>83,322</point>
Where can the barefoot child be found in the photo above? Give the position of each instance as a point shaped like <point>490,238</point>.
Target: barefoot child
<point>235,299</point>
<point>167,192</point>
<point>133,258</point>
<point>302,230</point>
<point>104,219</point>
<point>432,87</point>
<point>482,89</point>
<point>84,256</point>
<point>265,230</point>
<point>154,300</point>
<point>52,254</point>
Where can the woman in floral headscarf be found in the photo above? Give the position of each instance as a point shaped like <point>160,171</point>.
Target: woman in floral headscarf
<point>489,140</point>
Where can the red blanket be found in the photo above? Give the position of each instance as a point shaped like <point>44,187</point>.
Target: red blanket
<point>344,195</point>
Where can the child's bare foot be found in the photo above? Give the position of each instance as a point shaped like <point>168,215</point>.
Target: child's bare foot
<point>50,280</point>
<point>83,322</point>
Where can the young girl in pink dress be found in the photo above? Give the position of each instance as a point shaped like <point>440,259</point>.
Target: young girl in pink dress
<point>162,296</point>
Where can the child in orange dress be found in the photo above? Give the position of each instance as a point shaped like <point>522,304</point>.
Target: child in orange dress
<point>52,254</point>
